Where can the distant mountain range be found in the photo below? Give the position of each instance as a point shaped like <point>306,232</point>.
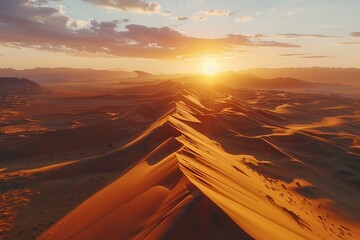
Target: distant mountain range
<point>252,81</point>
<point>347,76</point>
<point>61,78</point>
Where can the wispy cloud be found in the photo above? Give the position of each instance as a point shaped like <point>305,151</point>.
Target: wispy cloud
<point>315,56</point>
<point>198,18</point>
<point>201,15</point>
<point>292,12</point>
<point>166,13</point>
<point>291,54</point>
<point>350,43</point>
<point>180,18</point>
<point>296,35</point>
<point>242,19</point>
<point>355,34</point>
<point>217,12</point>
<point>303,55</point>
<point>137,6</point>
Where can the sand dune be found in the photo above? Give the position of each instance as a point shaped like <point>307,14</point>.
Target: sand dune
<point>179,161</point>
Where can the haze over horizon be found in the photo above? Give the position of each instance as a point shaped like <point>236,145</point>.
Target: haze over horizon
<point>178,36</point>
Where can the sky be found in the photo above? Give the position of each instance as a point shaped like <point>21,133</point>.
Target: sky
<point>173,36</point>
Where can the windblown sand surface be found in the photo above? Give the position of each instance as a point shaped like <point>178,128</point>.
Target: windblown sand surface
<point>173,161</point>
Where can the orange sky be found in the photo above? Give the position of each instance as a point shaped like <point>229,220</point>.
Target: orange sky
<point>179,36</point>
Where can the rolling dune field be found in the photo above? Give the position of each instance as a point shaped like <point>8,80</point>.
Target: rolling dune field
<point>164,160</point>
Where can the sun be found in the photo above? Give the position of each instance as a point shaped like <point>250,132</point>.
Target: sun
<point>210,67</point>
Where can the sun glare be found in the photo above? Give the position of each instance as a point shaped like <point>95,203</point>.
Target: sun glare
<point>210,68</point>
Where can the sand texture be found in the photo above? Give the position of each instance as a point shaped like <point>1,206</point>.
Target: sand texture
<point>171,160</point>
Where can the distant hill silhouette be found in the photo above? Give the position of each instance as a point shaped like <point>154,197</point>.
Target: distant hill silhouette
<point>347,76</point>
<point>20,86</point>
<point>17,91</point>
<point>252,81</point>
<point>142,74</point>
<point>52,75</point>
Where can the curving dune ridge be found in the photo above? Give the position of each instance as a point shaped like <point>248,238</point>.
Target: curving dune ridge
<point>185,162</point>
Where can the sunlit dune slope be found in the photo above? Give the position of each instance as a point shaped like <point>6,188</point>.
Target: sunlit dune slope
<point>211,163</point>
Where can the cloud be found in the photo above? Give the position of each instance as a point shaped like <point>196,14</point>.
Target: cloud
<point>137,6</point>
<point>201,15</point>
<point>181,18</point>
<point>77,23</point>
<point>217,12</point>
<point>290,54</point>
<point>302,55</point>
<point>350,43</point>
<point>296,35</point>
<point>198,18</point>
<point>311,57</point>
<point>24,23</point>
<point>242,19</point>
<point>355,34</point>
<point>166,13</point>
